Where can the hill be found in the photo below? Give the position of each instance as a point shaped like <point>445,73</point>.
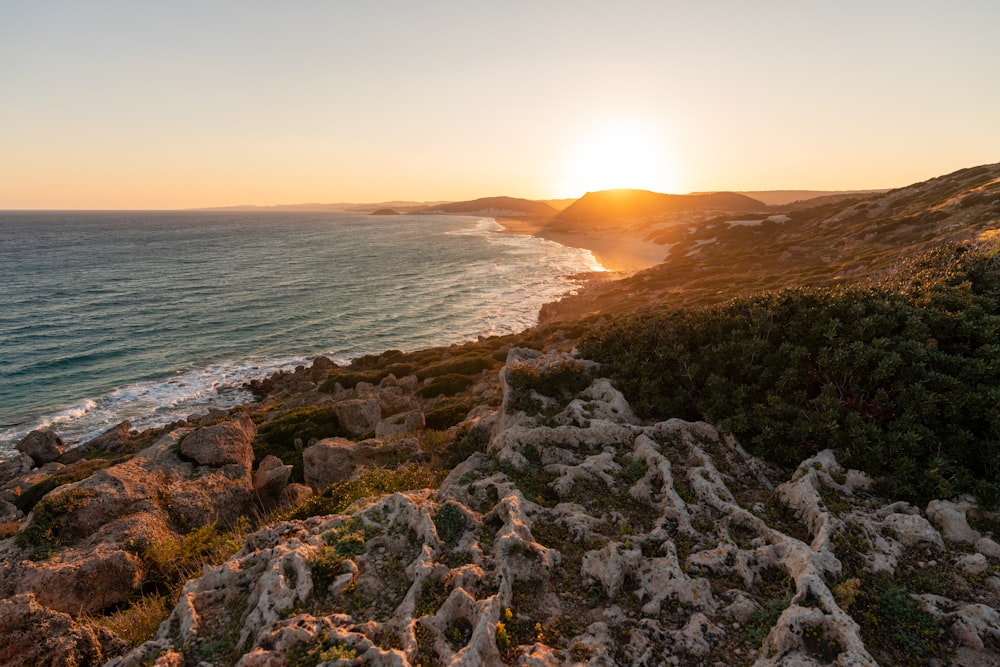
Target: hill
<point>715,258</point>
<point>641,209</point>
<point>502,207</point>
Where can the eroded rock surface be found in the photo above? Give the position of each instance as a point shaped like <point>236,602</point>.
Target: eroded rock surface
<point>582,536</point>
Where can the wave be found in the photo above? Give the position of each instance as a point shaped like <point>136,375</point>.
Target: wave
<point>493,283</point>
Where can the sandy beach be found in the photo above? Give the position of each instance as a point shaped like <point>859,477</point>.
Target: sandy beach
<point>615,252</point>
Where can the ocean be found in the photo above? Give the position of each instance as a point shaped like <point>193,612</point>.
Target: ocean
<point>153,316</point>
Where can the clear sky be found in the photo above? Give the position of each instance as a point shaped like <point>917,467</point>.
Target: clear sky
<point>178,103</point>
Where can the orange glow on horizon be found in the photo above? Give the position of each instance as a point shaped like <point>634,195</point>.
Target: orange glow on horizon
<point>620,155</point>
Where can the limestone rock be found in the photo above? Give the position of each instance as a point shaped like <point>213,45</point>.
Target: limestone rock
<point>359,416</point>
<point>87,581</point>
<point>116,440</point>
<point>950,516</point>
<point>329,460</point>
<point>338,459</point>
<point>42,446</point>
<point>228,443</point>
<point>270,480</point>
<point>14,467</point>
<point>32,635</point>
<point>400,425</point>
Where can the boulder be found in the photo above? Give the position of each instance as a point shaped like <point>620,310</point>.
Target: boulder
<point>951,518</point>
<point>270,480</point>
<point>359,416</point>
<point>222,444</point>
<point>82,582</point>
<point>400,425</point>
<point>321,367</point>
<point>329,460</point>
<point>295,494</point>
<point>42,446</point>
<point>30,634</point>
<point>15,466</point>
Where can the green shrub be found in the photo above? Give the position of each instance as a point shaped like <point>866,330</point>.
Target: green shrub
<point>445,385</point>
<point>446,415</point>
<point>340,495</point>
<point>278,437</point>
<point>901,377</point>
<point>466,364</point>
<point>562,380</point>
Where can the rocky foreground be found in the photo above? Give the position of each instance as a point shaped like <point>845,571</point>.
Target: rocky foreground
<point>577,535</point>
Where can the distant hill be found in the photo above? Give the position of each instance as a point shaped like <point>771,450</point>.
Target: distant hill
<point>788,197</point>
<point>495,207</point>
<point>715,259</point>
<point>609,210</point>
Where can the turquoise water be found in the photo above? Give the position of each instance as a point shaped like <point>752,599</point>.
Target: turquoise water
<point>152,316</point>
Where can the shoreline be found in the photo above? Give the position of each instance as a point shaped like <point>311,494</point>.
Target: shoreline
<point>617,253</point>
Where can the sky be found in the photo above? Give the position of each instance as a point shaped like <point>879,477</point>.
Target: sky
<point>132,104</point>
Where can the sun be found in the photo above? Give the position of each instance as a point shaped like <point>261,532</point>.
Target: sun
<point>620,155</point>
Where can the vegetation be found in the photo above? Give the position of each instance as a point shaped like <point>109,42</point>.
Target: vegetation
<point>901,377</point>
<point>278,436</point>
<point>376,482</point>
<point>72,473</point>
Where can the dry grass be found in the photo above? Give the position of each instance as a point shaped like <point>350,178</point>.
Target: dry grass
<point>139,621</point>
<point>9,529</point>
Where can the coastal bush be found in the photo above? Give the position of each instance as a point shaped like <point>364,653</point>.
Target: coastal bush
<point>561,380</point>
<point>376,482</point>
<point>446,415</point>
<point>278,436</point>
<point>445,385</point>
<point>466,364</point>
<point>901,377</point>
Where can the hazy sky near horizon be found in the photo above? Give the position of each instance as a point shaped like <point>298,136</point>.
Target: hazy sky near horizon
<point>130,104</point>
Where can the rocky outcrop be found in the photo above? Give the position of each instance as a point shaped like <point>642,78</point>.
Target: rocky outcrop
<point>116,440</point>
<point>96,530</point>
<point>32,635</point>
<point>338,459</point>
<point>359,416</point>
<point>586,537</point>
<point>228,443</point>
<point>42,446</point>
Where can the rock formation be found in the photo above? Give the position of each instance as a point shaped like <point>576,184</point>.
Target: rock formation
<point>582,536</point>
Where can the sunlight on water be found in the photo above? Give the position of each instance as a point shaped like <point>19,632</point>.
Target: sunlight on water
<point>155,316</point>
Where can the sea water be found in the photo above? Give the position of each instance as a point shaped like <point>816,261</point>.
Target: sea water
<point>153,316</point>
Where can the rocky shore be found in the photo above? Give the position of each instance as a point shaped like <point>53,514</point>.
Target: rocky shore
<point>547,526</point>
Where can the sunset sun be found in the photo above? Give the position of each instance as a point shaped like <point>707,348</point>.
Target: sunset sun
<point>620,155</point>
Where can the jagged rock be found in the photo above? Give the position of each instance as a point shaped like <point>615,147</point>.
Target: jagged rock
<point>228,443</point>
<point>359,416</point>
<point>98,524</point>
<point>116,440</point>
<point>31,635</point>
<point>597,540</point>
<point>42,446</point>
<point>400,425</point>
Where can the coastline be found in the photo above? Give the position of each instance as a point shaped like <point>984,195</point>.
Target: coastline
<point>617,253</point>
